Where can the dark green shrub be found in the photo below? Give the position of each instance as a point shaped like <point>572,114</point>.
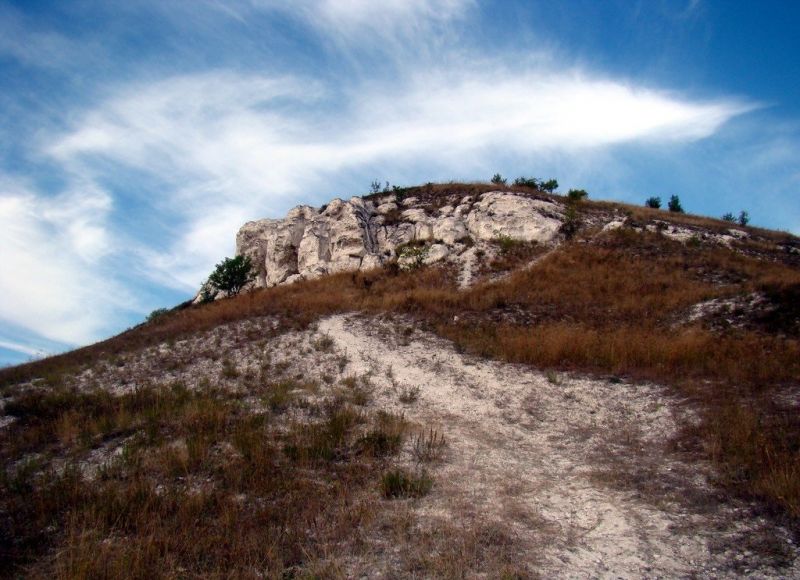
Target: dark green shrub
<point>412,256</point>
<point>549,186</point>
<point>729,217</point>
<point>744,218</point>
<point>577,194</point>
<point>572,221</point>
<point>653,202</point>
<point>506,243</point>
<point>674,204</point>
<point>498,179</point>
<point>232,274</point>
<point>528,182</point>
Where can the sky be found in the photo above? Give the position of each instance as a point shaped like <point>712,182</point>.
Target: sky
<point>137,137</point>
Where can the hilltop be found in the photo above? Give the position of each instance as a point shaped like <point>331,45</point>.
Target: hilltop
<point>451,380</point>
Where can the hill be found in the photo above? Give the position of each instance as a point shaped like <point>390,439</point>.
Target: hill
<point>526,386</point>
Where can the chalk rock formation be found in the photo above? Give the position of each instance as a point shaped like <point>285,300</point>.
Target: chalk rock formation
<point>364,233</point>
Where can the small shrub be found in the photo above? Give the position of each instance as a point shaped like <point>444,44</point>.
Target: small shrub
<point>411,256</point>
<point>409,395</point>
<point>386,437</point>
<point>653,202</point>
<point>674,204</point>
<point>729,217</point>
<point>572,221</point>
<point>498,179</point>
<point>744,218</point>
<point>577,194</point>
<point>506,243</point>
<point>229,370</point>
<point>232,274</point>
<point>531,182</point>
<point>324,344</point>
<point>156,314</point>
<point>399,483</point>
<point>549,186</point>
<point>358,389</point>
<point>279,396</point>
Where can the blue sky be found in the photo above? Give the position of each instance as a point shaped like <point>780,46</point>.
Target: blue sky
<point>137,136</point>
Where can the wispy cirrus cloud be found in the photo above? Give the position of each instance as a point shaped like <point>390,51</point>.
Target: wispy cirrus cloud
<point>345,16</point>
<point>159,166</point>
<point>236,145</point>
<point>51,277</point>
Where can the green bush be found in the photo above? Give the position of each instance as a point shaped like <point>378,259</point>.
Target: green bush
<point>535,183</point>
<point>577,194</point>
<point>413,256</point>
<point>572,221</point>
<point>498,179</point>
<point>674,204</point>
<point>729,217</point>
<point>231,275</point>
<point>549,186</point>
<point>653,202</point>
<point>506,243</point>
<point>528,182</point>
<point>744,218</point>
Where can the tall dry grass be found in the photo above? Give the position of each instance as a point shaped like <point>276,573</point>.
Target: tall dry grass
<point>612,306</point>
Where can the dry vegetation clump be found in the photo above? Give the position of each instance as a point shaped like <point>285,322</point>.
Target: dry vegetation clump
<point>436,195</point>
<point>511,254</point>
<point>199,484</point>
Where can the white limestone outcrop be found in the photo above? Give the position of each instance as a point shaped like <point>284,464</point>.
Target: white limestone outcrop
<point>361,234</point>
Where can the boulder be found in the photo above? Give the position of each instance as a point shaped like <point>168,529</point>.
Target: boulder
<point>521,218</point>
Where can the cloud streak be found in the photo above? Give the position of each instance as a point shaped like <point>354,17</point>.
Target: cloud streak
<point>51,278</point>
<point>237,145</point>
<point>160,169</point>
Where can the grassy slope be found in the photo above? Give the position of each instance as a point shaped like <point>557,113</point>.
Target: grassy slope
<point>609,306</point>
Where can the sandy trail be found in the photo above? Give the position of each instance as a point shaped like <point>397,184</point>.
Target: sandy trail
<point>577,470</point>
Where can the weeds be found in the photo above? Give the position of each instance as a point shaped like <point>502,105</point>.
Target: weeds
<point>409,395</point>
<point>399,483</point>
<point>229,370</point>
<point>197,486</point>
<point>386,436</point>
<point>428,446</point>
<point>553,378</point>
<point>324,344</point>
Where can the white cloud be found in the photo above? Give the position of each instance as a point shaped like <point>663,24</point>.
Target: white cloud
<point>385,26</point>
<point>27,43</point>
<point>234,146</point>
<point>361,14</point>
<point>23,348</point>
<point>49,275</point>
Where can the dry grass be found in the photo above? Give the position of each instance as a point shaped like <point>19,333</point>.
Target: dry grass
<point>201,484</point>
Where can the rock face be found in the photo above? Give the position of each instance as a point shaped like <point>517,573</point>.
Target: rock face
<point>361,234</point>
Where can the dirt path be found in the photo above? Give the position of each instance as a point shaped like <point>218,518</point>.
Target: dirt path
<point>576,471</point>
